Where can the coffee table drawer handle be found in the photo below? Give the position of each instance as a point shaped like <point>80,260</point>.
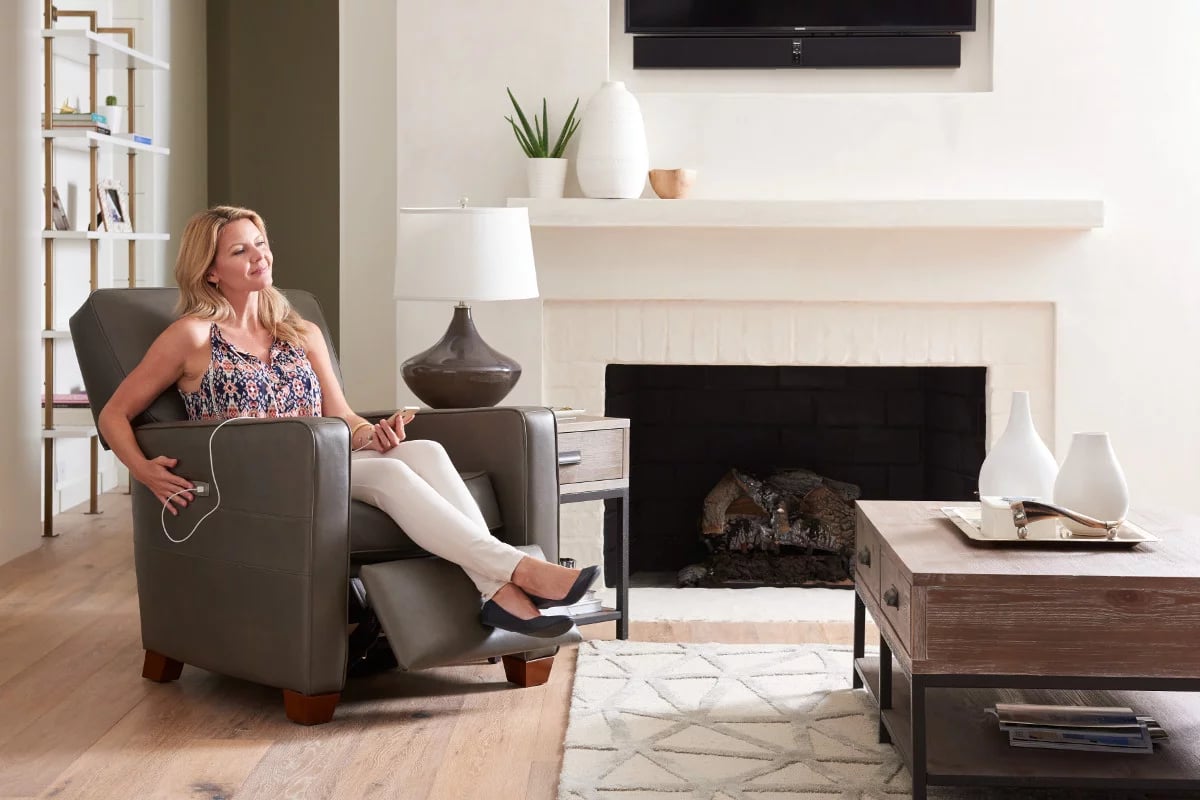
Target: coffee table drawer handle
<point>569,458</point>
<point>864,557</point>
<point>891,597</point>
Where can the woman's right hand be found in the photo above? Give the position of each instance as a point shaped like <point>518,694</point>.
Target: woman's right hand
<point>156,476</point>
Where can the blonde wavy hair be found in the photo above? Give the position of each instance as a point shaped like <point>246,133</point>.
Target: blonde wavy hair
<point>199,298</point>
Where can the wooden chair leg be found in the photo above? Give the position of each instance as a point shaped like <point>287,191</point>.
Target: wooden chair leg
<point>310,709</point>
<point>159,668</point>
<point>533,672</point>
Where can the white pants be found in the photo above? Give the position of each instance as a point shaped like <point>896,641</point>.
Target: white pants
<point>415,484</point>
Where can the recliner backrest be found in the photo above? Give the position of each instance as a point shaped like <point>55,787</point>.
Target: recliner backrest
<point>114,328</point>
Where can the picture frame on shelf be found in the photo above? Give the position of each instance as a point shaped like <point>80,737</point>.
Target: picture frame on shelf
<point>114,206</point>
<point>58,212</point>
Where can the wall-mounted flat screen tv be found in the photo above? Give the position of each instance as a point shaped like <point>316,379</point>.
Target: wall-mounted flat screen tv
<point>778,17</point>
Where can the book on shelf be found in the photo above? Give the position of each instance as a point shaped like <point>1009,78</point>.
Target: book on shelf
<point>1090,728</point>
<point>133,137</point>
<point>68,400</point>
<point>89,127</point>
<point>588,604</point>
<point>82,118</point>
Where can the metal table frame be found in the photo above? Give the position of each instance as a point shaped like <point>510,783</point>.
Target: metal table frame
<point>616,554</point>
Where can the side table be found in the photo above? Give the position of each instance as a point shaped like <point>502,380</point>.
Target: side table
<point>593,464</point>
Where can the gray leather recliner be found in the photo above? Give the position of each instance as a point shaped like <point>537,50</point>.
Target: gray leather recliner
<point>260,590</point>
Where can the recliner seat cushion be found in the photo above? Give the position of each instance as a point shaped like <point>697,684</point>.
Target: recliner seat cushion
<point>374,537</point>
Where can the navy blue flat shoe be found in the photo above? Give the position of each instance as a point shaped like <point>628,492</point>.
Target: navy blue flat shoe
<point>494,616</point>
<point>587,576</point>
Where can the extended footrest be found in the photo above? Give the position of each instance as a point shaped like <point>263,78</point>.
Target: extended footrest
<point>429,610</point>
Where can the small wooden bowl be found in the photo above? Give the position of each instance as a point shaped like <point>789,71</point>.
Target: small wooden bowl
<point>672,184</point>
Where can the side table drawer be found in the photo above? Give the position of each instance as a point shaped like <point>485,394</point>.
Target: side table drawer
<point>597,455</point>
<point>895,598</point>
<point>867,559</point>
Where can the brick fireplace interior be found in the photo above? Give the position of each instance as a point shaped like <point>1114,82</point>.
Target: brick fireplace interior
<point>898,433</point>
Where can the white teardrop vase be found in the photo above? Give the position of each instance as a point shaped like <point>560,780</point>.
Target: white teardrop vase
<point>1019,463</point>
<point>613,160</point>
<point>1091,481</point>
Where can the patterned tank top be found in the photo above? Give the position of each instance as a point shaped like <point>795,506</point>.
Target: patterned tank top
<point>237,384</point>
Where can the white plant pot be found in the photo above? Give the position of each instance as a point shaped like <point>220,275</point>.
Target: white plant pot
<point>613,160</point>
<point>116,118</point>
<point>1091,481</point>
<point>1019,463</point>
<point>547,176</point>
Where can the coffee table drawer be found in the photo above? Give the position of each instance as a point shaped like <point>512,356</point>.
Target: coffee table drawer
<point>895,599</point>
<point>867,559</point>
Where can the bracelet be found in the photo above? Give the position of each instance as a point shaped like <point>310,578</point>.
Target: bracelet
<point>358,428</point>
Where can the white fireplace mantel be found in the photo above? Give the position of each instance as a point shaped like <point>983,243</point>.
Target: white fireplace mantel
<point>977,213</point>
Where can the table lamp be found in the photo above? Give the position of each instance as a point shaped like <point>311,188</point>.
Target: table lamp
<point>463,254</point>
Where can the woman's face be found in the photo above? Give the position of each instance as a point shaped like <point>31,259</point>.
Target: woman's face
<point>243,259</point>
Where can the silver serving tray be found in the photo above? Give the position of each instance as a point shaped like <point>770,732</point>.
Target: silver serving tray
<point>967,520</point>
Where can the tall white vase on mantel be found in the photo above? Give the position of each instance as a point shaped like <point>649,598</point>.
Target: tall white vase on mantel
<point>613,160</point>
<point>1091,481</point>
<point>1019,463</point>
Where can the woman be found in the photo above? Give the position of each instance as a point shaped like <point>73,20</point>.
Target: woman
<point>239,349</point>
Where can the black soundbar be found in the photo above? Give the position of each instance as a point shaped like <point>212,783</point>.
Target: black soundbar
<point>780,52</point>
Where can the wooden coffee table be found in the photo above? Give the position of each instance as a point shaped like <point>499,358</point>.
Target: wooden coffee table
<point>971,624</point>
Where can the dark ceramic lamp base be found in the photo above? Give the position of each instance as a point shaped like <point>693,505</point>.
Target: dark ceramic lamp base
<point>461,370</point>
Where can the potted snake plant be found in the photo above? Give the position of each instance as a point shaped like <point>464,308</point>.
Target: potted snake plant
<point>546,168</point>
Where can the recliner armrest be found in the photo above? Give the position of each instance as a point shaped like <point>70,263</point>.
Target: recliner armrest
<point>517,447</point>
<point>259,590</point>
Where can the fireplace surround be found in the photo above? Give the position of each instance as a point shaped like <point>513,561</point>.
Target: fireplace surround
<point>1013,342</point>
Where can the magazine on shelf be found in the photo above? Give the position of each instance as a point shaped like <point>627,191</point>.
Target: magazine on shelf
<point>589,604</point>
<point>1097,729</point>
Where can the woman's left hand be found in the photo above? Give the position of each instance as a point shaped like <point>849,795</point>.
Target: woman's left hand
<point>387,433</point>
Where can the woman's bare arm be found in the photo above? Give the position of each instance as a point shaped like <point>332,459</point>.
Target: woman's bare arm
<point>161,367</point>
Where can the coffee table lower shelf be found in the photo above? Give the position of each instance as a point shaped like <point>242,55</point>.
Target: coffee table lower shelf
<point>965,746</point>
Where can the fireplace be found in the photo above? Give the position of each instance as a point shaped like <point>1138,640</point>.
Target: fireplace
<point>1012,343</point>
<point>895,433</point>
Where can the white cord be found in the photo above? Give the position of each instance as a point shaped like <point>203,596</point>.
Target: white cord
<point>216,488</point>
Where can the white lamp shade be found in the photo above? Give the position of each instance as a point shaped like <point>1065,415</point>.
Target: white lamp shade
<point>464,254</point>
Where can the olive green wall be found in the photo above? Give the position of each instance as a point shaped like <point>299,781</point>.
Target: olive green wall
<point>273,131</point>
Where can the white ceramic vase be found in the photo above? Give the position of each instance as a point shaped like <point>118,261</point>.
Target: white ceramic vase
<point>1019,463</point>
<point>612,160</point>
<point>547,176</point>
<point>115,115</point>
<point>1091,481</point>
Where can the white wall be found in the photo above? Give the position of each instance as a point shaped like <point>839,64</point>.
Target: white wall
<point>367,114</point>
<point>1078,108</point>
<point>20,222</point>
<point>449,140</point>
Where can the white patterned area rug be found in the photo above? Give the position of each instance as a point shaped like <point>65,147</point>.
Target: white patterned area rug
<point>729,722</point>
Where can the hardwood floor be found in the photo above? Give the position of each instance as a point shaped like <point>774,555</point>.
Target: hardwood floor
<point>77,720</point>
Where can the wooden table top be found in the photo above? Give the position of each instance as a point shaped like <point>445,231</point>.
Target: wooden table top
<point>931,550</point>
